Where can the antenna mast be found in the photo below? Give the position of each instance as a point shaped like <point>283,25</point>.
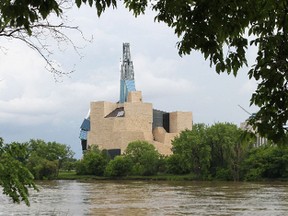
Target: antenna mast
<point>245,110</point>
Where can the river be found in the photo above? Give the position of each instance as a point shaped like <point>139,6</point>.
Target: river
<point>57,198</point>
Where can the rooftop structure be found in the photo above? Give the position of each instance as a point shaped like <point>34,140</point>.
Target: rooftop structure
<point>127,83</point>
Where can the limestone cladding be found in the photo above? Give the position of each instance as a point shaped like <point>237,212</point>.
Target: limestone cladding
<point>117,132</point>
<point>162,136</point>
<point>163,148</point>
<point>180,121</point>
<point>136,124</point>
<point>134,97</point>
<point>162,140</point>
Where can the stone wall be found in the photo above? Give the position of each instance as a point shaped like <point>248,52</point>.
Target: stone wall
<point>180,121</point>
<point>134,97</point>
<point>117,132</point>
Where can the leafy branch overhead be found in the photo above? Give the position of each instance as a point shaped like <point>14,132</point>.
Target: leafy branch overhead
<point>33,22</point>
<point>221,30</point>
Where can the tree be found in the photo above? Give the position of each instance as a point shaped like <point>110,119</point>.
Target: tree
<point>21,163</point>
<point>51,151</point>
<point>144,156</point>
<point>15,178</point>
<point>41,168</point>
<point>119,166</point>
<point>229,147</point>
<point>34,22</point>
<point>193,150</point>
<point>176,164</point>
<point>94,162</point>
<point>268,161</point>
<point>69,164</point>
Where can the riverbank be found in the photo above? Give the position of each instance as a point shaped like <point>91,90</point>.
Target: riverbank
<point>71,175</point>
<point>65,175</point>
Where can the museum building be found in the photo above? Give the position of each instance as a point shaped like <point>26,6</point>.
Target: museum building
<point>112,126</point>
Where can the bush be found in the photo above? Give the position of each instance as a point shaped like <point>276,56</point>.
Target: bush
<point>93,163</point>
<point>144,156</point>
<point>223,174</point>
<point>175,165</point>
<point>266,162</point>
<point>194,150</point>
<point>80,167</point>
<point>119,166</point>
<point>69,165</point>
<point>254,174</point>
<point>44,169</point>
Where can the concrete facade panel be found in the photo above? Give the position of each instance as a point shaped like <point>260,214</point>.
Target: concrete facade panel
<point>180,121</point>
<point>117,132</point>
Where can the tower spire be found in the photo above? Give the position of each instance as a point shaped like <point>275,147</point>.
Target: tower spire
<point>127,82</point>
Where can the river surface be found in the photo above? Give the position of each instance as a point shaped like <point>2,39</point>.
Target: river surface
<point>152,198</point>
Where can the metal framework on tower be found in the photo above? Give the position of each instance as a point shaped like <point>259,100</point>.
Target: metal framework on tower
<point>127,82</point>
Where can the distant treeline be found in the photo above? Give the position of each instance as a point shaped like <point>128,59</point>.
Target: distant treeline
<point>221,151</point>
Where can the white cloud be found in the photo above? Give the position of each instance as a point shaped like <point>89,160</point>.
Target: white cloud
<point>248,87</point>
<point>159,78</point>
<point>33,105</point>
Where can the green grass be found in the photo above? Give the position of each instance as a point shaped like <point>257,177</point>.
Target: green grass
<point>71,175</point>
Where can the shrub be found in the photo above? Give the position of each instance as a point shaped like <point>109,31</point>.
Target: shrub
<point>144,156</point>
<point>93,163</point>
<point>175,165</point>
<point>119,166</point>
<point>44,169</point>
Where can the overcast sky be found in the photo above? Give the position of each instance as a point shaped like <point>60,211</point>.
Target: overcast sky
<point>33,105</point>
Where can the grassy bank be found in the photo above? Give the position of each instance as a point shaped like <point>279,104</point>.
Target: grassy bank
<point>71,175</point>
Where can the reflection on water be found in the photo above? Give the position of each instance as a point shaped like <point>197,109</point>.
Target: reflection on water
<point>152,198</point>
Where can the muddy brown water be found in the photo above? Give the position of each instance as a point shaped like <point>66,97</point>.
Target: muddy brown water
<point>152,198</point>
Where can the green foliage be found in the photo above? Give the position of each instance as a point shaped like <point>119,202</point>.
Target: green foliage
<point>15,178</point>
<point>119,166</point>
<point>193,150</point>
<point>42,168</point>
<point>176,165</point>
<point>266,162</point>
<point>210,151</point>
<point>162,164</point>
<point>20,163</point>
<point>46,158</point>
<point>51,151</point>
<point>229,146</point>
<point>100,5</point>
<point>69,164</point>
<point>93,163</point>
<point>144,156</point>
<point>23,14</point>
<point>224,174</point>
